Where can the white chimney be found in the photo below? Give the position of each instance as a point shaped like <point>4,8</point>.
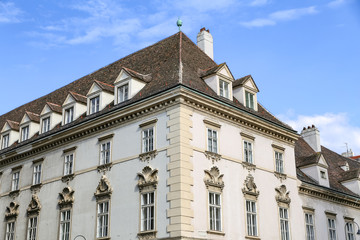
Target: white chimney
<point>205,42</point>
<point>312,136</point>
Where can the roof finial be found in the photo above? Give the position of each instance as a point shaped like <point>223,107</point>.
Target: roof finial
<point>179,24</point>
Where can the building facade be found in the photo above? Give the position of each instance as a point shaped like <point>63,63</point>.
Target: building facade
<point>167,144</point>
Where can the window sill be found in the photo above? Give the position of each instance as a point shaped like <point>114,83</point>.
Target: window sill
<point>36,187</point>
<point>145,235</point>
<point>252,237</point>
<point>104,167</point>
<point>14,193</point>
<point>103,238</point>
<point>147,156</point>
<point>248,166</point>
<point>214,157</point>
<point>68,178</point>
<point>281,176</point>
<point>215,232</point>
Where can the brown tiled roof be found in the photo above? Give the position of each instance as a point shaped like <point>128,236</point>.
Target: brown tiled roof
<point>13,125</point>
<point>308,160</point>
<point>211,70</point>
<point>78,97</point>
<point>145,78</point>
<point>240,81</point>
<point>54,107</point>
<point>349,175</point>
<point>33,116</point>
<point>106,87</point>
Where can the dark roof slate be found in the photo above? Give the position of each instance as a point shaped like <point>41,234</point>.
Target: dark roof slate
<point>33,116</point>
<point>78,97</point>
<point>54,107</point>
<point>106,87</point>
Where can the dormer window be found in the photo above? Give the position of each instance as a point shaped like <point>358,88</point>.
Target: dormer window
<point>224,88</point>
<point>5,141</point>
<point>323,174</point>
<point>94,104</point>
<point>123,92</point>
<point>45,125</point>
<point>245,91</point>
<point>24,133</point>
<point>69,115</point>
<point>249,99</point>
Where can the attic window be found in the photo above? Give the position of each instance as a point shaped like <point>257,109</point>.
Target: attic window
<point>323,174</point>
<point>123,92</point>
<point>249,97</point>
<point>45,124</point>
<point>94,104</point>
<point>24,133</point>
<point>5,141</point>
<point>69,115</point>
<point>224,88</point>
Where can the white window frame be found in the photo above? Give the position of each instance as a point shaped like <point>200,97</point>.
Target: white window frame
<point>25,133</point>
<point>323,174</point>
<point>37,173</point>
<point>249,99</point>
<point>251,218</point>
<point>224,88</point>
<point>45,124</point>
<point>215,211</point>
<point>65,225</point>
<point>32,228</point>
<point>148,139</point>
<point>103,219</point>
<point>105,152</point>
<point>94,104</point>
<point>148,204</point>
<point>10,230</point>
<point>331,224</point>
<point>123,92</point>
<point>15,180</point>
<point>69,160</point>
<point>5,141</point>
<point>350,230</point>
<point>212,140</point>
<point>69,114</point>
<point>284,223</point>
<point>309,225</point>
<point>248,151</point>
<point>279,161</point>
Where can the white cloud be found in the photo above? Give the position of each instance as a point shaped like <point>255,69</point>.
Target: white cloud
<point>9,13</point>
<point>275,17</point>
<point>335,129</point>
<point>335,3</point>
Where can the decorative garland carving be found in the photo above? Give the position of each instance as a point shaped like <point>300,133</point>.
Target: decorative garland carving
<point>147,156</point>
<point>12,211</point>
<point>34,206</point>
<point>103,189</point>
<point>214,178</point>
<point>250,187</point>
<point>148,177</point>
<point>66,197</point>
<point>282,195</point>
<point>214,157</point>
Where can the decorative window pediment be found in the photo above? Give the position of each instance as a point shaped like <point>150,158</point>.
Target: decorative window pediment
<point>103,189</point>
<point>148,178</point>
<point>250,188</point>
<point>66,197</point>
<point>282,195</point>
<point>34,206</point>
<point>12,211</point>
<point>213,178</point>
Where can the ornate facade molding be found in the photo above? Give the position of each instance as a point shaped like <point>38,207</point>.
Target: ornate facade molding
<point>147,156</point>
<point>281,176</point>
<point>12,211</point>
<point>282,195</point>
<point>213,178</point>
<point>68,178</point>
<point>104,189</point>
<point>35,188</point>
<point>105,167</point>
<point>14,194</point>
<point>148,177</point>
<point>248,166</point>
<point>66,197</point>
<point>250,187</point>
<point>34,206</point>
<point>214,157</point>
<point>147,235</point>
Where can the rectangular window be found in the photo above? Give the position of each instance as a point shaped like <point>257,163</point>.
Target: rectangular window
<point>37,174</point>
<point>251,221</point>
<point>10,231</point>
<point>69,164</point>
<point>5,141</point>
<point>309,224</point>
<point>103,220</point>
<point>123,93</point>
<point>332,228</point>
<point>215,211</point>
<point>32,227</point>
<point>69,115</point>
<point>148,139</point>
<point>249,100</point>
<point>148,211</point>
<point>279,162</point>
<point>248,152</point>
<point>323,174</point>
<point>24,133</point>
<point>224,88</point>
<point>212,140</point>
<point>65,225</point>
<point>349,231</point>
<point>284,224</point>
<point>105,153</point>
<point>15,181</point>
<point>94,104</point>
<point>45,124</point>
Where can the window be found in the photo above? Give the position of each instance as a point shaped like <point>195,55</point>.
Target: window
<point>148,211</point>
<point>65,225</point>
<point>5,141</point>
<point>32,227</point>
<point>45,124</point>
<point>284,223</point>
<point>349,231</point>
<point>279,162</point>
<point>251,221</point>
<point>248,156</point>
<point>215,211</point>
<point>309,224</point>
<point>37,174</point>
<point>249,97</point>
<point>15,181</point>
<point>148,139</point>
<point>323,174</point>
<point>224,88</point>
<point>94,104</point>
<point>212,140</point>
<point>105,153</point>
<point>103,220</point>
<point>10,231</point>
<point>69,164</point>
<point>123,93</point>
<point>24,133</point>
<point>331,228</point>
<point>69,115</point>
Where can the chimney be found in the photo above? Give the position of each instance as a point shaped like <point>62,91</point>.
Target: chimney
<point>312,136</point>
<point>205,42</point>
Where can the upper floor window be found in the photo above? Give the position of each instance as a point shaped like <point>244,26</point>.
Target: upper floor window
<point>323,174</point>
<point>32,228</point>
<point>105,150</point>
<point>212,140</point>
<point>24,133</point>
<point>69,164</point>
<point>123,93</point>
<point>249,98</point>
<point>248,151</point>
<point>15,181</point>
<point>284,223</point>
<point>148,211</point>
<point>10,231</point>
<point>65,224</point>
<point>279,162</point>
<point>309,223</point>
<point>148,139</point>
<point>94,104</point>
<point>349,230</point>
<point>251,218</point>
<point>331,228</point>
<point>215,211</point>
<point>103,220</point>
<point>5,141</point>
<point>37,174</point>
<point>224,88</point>
<point>45,125</point>
<point>69,115</point>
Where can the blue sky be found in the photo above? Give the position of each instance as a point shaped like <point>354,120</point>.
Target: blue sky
<point>304,55</point>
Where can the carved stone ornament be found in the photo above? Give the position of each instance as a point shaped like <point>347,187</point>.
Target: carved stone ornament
<point>214,178</point>
<point>14,194</point>
<point>147,235</point>
<point>66,197</point>
<point>104,188</point>
<point>12,211</point>
<point>280,176</point>
<point>68,178</point>
<point>248,166</point>
<point>250,186</point>
<point>282,195</point>
<point>146,157</point>
<point>34,206</point>
<point>148,177</point>
<point>214,157</point>
<point>104,167</point>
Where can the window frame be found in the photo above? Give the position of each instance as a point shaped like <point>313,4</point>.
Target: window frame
<point>69,114</point>
<point>5,143</point>
<point>145,140</point>
<point>99,215</point>
<point>309,226</point>
<point>224,88</point>
<point>148,206</point>
<point>331,229</point>
<point>45,124</point>
<point>94,104</point>
<point>17,180</point>
<point>214,148</point>
<point>30,228</point>
<point>37,173</point>
<point>249,99</point>
<point>213,219</point>
<point>279,162</point>
<point>71,171</point>
<point>126,87</point>
<point>349,233</point>
<point>284,221</point>
<point>8,232</point>
<point>105,153</point>
<point>248,154</point>
<point>65,222</point>
<point>253,215</point>
<point>25,131</point>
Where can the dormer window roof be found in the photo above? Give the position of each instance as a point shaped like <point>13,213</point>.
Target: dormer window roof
<point>9,133</point>
<point>29,125</point>
<point>99,95</point>
<point>245,91</point>
<point>73,107</point>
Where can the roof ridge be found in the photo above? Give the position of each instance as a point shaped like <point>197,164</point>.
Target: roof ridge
<point>104,83</point>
